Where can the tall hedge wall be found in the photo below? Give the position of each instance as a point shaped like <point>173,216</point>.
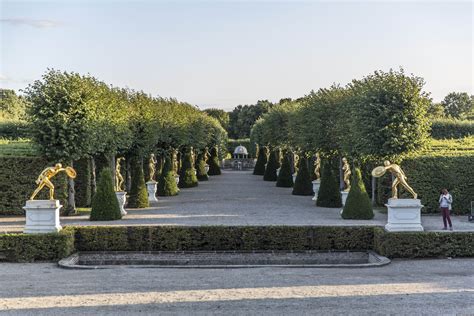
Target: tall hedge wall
<point>444,129</point>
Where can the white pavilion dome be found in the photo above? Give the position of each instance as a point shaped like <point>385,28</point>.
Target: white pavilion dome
<point>240,150</point>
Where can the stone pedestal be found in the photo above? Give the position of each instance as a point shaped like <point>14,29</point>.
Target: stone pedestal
<point>278,171</point>
<point>206,168</point>
<point>404,215</point>
<point>42,216</point>
<point>151,188</point>
<point>121,198</point>
<point>294,177</point>
<point>316,185</point>
<point>176,178</point>
<point>344,195</point>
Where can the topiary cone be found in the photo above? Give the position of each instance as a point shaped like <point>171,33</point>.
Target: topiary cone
<point>105,206</point>
<point>213,162</point>
<point>187,176</point>
<point>166,182</point>
<point>329,194</point>
<point>285,178</point>
<point>201,168</point>
<point>138,196</point>
<point>259,168</point>
<point>271,169</point>
<point>358,204</point>
<point>303,185</point>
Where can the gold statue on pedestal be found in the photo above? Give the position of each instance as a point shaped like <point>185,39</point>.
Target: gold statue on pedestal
<point>44,179</point>
<point>118,176</point>
<point>400,177</point>
<point>347,174</point>
<point>151,167</point>
<point>317,167</point>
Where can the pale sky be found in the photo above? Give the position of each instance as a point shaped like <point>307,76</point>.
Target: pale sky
<point>225,53</point>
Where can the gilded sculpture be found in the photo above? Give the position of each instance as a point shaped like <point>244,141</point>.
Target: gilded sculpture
<point>151,167</point>
<point>400,177</point>
<point>346,168</point>
<point>118,175</point>
<point>317,167</point>
<point>44,179</point>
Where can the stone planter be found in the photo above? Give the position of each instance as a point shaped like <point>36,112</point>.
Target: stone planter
<point>122,198</point>
<point>316,185</point>
<point>404,215</point>
<point>151,189</point>
<point>42,216</point>
<point>344,195</point>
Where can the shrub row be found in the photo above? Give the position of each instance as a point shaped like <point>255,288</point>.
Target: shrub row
<point>14,129</point>
<point>444,129</point>
<point>51,247</point>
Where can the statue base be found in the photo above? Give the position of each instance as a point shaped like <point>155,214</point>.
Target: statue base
<point>316,185</point>
<point>404,215</point>
<point>206,168</point>
<point>344,195</point>
<point>294,177</point>
<point>121,198</point>
<point>42,216</point>
<point>151,188</point>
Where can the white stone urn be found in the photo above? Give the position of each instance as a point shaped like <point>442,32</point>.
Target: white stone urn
<point>344,195</point>
<point>42,216</point>
<point>316,185</point>
<point>404,215</point>
<point>121,198</point>
<point>151,189</point>
<point>206,168</point>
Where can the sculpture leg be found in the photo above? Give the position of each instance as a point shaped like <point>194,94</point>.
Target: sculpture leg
<point>395,184</point>
<point>410,190</point>
<point>38,189</point>
<point>51,188</point>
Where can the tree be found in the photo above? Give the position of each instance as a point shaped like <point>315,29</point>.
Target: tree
<point>285,177</point>
<point>138,195</point>
<point>213,162</point>
<point>201,168</point>
<point>458,105</point>
<point>242,118</point>
<point>187,175</point>
<point>221,115</point>
<point>329,194</point>
<point>303,185</point>
<point>358,204</point>
<point>272,166</point>
<point>12,106</point>
<point>105,206</point>
<point>259,168</point>
<point>166,182</point>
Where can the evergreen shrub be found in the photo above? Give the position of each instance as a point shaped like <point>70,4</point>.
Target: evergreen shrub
<point>285,177</point>
<point>213,162</point>
<point>358,204</point>
<point>303,185</point>
<point>329,194</point>
<point>272,166</point>
<point>138,195</point>
<point>201,168</point>
<point>166,182</point>
<point>105,206</point>
<point>187,176</point>
<point>259,168</point>
<point>82,182</point>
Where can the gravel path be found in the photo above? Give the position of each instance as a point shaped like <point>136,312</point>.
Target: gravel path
<point>428,287</point>
<point>237,198</point>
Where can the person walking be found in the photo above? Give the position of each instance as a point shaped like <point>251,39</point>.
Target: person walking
<point>445,201</point>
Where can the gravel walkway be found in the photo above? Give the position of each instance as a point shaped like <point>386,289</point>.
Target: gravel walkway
<point>418,287</point>
<point>237,198</point>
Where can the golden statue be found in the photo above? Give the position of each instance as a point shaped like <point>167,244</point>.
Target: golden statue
<point>317,167</point>
<point>296,161</point>
<point>118,176</point>
<point>400,177</point>
<point>151,167</point>
<point>44,179</point>
<point>174,157</point>
<point>347,174</point>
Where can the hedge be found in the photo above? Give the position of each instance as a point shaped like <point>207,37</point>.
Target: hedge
<point>82,182</point>
<point>40,247</point>
<point>445,128</point>
<point>14,129</point>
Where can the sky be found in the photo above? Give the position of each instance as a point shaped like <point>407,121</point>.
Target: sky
<point>225,53</point>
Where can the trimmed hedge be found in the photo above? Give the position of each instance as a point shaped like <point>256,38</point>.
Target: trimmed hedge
<point>14,129</point>
<point>138,195</point>
<point>201,168</point>
<point>329,194</point>
<point>166,182</point>
<point>105,206</point>
<point>187,176</point>
<point>82,183</point>
<point>39,247</point>
<point>444,129</point>
<point>272,166</point>
<point>303,184</point>
<point>213,162</point>
<point>285,178</point>
<point>259,169</point>
<point>358,204</point>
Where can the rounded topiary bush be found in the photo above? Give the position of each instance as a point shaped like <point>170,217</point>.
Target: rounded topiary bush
<point>259,168</point>
<point>272,166</point>
<point>138,196</point>
<point>358,205</point>
<point>329,194</point>
<point>213,162</point>
<point>187,175</point>
<point>285,178</point>
<point>166,182</point>
<point>104,205</point>
<point>303,185</point>
<point>201,168</point>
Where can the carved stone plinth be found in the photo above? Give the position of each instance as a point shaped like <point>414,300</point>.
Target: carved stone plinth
<point>151,189</point>
<point>404,215</point>
<point>122,198</point>
<point>42,216</point>
<point>316,185</point>
<point>344,195</point>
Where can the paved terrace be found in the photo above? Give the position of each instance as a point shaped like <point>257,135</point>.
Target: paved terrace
<point>237,198</point>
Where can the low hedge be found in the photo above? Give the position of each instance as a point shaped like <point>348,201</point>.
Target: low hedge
<point>41,247</point>
<point>14,129</point>
<point>447,128</point>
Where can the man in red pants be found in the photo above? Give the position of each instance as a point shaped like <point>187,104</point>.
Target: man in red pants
<point>445,201</point>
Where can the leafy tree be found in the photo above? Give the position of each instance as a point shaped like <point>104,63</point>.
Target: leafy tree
<point>285,177</point>
<point>329,194</point>
<point>458,105</point>
<point>220,115</point>
<point>259,168</point>
<point>272,166</point>
<point>303,185</point>
<point>105,206</point>
<point>201,167</point>
<point>213,162</point>
<point>187,176</point>
<point>358,204</point>
<point>166,182</point>
<point>242,118</point>
<point>138,195</point>
<point>12,106</point>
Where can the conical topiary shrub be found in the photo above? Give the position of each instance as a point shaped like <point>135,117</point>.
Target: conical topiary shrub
<point>213,162</point>
<point>201,168</point>
<point>138,196</point>
<point>187,175</point>
<point>358,205</point>
<point>329,194</point>
<point>105,206</point>
<point>285,178</point>
<point>272,166</point>
<point>303,185</point>
<point>259,168</point>
<point>166,182</point>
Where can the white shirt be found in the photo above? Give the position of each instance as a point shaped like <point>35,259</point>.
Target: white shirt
<point>445,200</point>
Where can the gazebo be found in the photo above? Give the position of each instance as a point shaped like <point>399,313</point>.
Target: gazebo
<point>240,152</point>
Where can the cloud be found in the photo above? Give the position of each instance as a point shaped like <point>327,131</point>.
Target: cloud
<point>36,23</point>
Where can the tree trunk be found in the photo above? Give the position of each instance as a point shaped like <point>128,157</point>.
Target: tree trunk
<point>373,191</point>
<point>71,200</point>
<point>94,178</point>
<point>128,176</point>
